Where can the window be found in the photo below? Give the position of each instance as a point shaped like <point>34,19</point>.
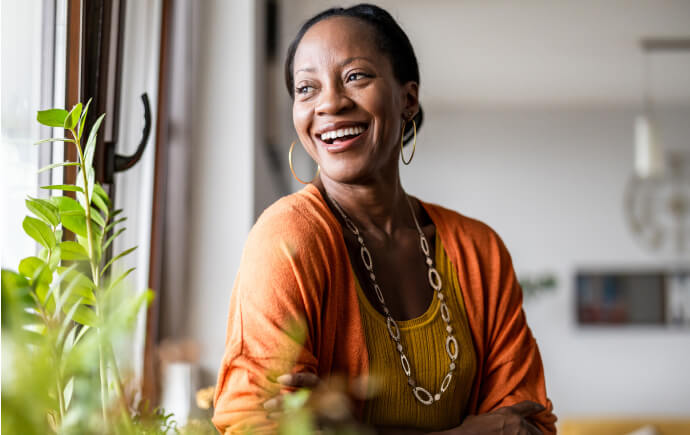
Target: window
<point>33,50</point>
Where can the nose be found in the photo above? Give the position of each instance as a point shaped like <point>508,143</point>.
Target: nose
<point>332,101</point>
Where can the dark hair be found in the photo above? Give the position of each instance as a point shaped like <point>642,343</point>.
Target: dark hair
<point>391,40</point>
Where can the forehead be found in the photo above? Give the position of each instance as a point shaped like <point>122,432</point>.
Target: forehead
<point>335,39</point>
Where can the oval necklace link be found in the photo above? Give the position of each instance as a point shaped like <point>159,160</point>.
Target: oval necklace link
<point>421,394</point>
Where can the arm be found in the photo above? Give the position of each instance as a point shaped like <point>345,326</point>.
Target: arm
<point>268,326</point>
<point>513,370</point>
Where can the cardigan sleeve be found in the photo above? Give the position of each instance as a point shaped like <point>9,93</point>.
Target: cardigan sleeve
<point>513,369</point>
<point>268,332</point>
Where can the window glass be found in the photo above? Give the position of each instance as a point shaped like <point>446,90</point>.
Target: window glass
<point>32,48</point>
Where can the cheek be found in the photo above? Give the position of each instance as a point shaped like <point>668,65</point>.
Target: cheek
<point>301,119</point>
<point>383,106</point>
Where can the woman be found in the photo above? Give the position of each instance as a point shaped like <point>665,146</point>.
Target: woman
<point>351,276</point>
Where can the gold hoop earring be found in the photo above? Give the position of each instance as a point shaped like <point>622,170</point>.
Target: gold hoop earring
<point>414,143</point>
<point>318,169</point>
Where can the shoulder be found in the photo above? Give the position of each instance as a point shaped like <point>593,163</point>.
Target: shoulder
<point>299,222</point>
<point>465,230</point>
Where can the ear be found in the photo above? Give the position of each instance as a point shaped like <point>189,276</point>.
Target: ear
<point>410,100</point>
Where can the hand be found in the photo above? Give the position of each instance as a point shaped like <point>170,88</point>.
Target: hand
<point>507,420</point>
<point>289,383</point>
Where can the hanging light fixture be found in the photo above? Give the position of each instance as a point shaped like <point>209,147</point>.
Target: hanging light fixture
<point>649,153</point>
<point>657,197</point>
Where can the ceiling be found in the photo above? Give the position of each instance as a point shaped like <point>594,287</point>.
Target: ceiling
<point>540,52</point>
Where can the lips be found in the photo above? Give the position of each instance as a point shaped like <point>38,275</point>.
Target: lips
<point>340,136</point>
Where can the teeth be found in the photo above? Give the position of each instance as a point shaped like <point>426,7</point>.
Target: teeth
<point>334,134</point>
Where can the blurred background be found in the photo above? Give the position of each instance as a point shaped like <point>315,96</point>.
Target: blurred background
<point>564,125</point>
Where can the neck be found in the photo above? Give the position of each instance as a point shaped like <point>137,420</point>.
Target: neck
<point>378,208</point>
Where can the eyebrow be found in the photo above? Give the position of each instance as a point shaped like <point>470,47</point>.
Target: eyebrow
<point>345,62</point>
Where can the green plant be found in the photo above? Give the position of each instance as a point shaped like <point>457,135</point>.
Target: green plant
<point>63,309</point>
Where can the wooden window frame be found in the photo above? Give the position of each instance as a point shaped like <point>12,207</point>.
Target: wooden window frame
<point>89,62</point>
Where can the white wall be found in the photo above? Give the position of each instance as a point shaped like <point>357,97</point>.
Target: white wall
<point>221,185</point>
<point>551,183</point>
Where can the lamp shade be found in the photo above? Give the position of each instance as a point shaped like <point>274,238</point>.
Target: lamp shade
<point>649,153</point>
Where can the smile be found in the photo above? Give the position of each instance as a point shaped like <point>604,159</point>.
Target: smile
<point>341,134</point>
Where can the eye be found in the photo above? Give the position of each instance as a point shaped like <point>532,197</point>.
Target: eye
<point>355,76</point>
<point>304,89</point>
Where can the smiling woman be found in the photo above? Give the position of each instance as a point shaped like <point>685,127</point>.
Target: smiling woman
<point>380,286</point>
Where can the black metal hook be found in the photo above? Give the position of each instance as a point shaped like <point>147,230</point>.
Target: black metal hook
<point>122,163</point>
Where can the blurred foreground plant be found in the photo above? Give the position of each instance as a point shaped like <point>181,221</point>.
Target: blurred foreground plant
<point>63,310</point>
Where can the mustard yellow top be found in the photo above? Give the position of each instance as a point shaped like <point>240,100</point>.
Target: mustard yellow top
<point>424,339</point>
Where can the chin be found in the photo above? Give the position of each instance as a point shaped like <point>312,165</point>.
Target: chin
<point>345,173</point>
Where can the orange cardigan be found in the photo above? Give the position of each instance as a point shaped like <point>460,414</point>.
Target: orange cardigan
<point>294,308</point>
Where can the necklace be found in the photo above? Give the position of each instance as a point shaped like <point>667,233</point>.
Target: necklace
<point>420,393</point>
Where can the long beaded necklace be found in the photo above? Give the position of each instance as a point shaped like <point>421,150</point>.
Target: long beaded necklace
<point>420,393</point>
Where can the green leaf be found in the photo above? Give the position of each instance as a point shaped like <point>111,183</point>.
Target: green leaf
<point>67,392</point>
<point>52,117</point>
<point>72,214</point>
<point>73,117</point>
<point>83,291</point>
<point>84,242</point>
<point>69,310</point>
<point>98,189</point>
<point>120,255</point>
<point>112,224</point>
<point>82,284</point>
<point>101,194</point>
<point>16,299</point>
<point>82,121</point>
<point>36,270</point>
<point>96,217</point>
<point>40,276</point>
<point>91,143</point>
<point>39,231</point>
<point>43,293</point>
<point>54,139</point>
<point>55,287</point>
<point>75,221</point>
<point>91,180</point>
<point>57,165</point>
<point>67,187</point>
<point>111,238</point>
<point>119,279</point>
<point>12,281</point>
<point>65,203</point>
<point>100,203</point>
<point>82,332</point>
<point>54,257</point>
<point>85,316</point>
<point>73,251</point>
<point>44,210</point>
<point>63,294</point>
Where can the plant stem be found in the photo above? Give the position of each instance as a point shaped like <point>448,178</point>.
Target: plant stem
<point>96,279</point>
<point>89,230</point>
<point>61,399</point>
<point>119,388</point>
<point>103,375</point>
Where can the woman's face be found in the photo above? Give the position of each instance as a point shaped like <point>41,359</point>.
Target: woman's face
<point>349,107</point>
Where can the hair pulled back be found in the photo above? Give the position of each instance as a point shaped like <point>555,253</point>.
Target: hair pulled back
<point>390,38</point>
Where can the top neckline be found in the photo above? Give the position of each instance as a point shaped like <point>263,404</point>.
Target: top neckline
<point>435,305</point>
<point>423,319</point>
